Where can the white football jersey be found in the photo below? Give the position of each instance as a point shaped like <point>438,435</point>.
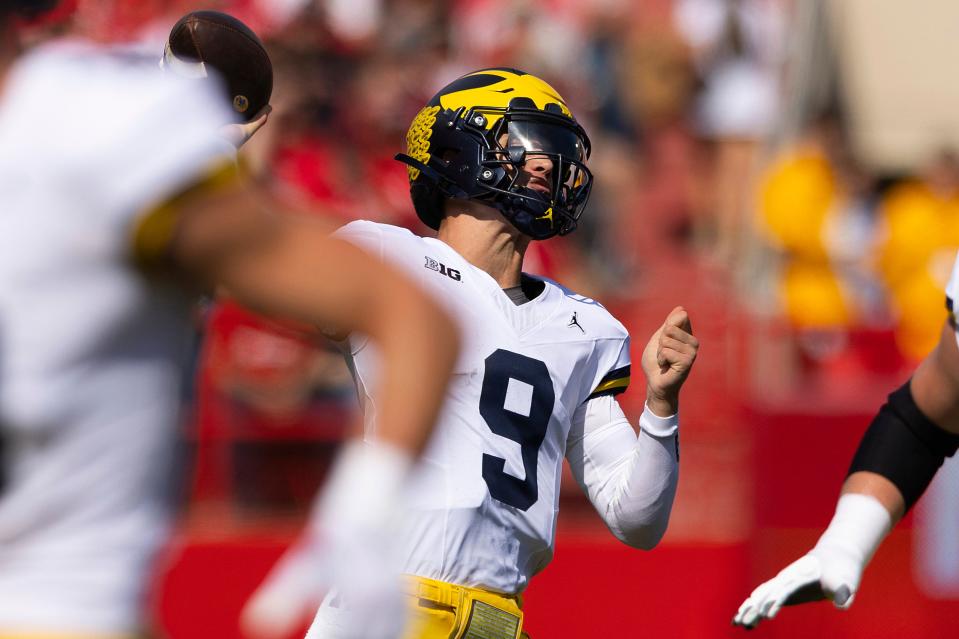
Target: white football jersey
<point>486,497</point>
<point>91,351</point>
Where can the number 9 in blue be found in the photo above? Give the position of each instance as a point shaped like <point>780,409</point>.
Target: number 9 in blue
<point>528,430</point>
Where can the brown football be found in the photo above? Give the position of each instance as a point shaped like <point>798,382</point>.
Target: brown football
<point>202,40</point>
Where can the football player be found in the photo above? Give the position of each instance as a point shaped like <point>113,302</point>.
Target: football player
<point>496,160</point>
<point>899,454</point>
<point>118,201</point>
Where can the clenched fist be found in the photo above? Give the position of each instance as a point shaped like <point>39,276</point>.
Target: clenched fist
<point>667,360</point>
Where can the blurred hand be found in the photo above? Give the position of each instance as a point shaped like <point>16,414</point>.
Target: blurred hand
<point>371,599</point>
<point>290,595</point>
<point>667,360</point>
<point>351,546</point>
<point>821,574</point>
<point>238,134</point>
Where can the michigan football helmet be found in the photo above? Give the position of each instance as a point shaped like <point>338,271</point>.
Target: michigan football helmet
<point>473,141</point>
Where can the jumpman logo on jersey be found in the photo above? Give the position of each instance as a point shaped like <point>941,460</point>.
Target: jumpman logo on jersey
<point>575,322</point>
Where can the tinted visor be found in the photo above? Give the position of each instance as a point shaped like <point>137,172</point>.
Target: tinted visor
<point>548,148</point>
<point>562,145</point>
<point>542,137</point>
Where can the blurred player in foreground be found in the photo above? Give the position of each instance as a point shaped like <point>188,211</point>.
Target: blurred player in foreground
<point>118,202</point>
<point>496,161</point>
<point>900,453</point>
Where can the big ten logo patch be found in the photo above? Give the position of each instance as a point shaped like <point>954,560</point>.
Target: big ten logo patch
<point>451,273</point>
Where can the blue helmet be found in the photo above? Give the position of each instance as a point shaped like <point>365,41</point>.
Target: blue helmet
<point>474,137</point>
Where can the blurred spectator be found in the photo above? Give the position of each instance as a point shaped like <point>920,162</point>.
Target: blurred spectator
<point>921,235</point>
<point>738,47</point>
<point>658,81</point>
<point>816,209</point>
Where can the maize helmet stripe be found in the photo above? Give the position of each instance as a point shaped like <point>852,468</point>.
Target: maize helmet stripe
<point>418,138</point>
<point>497,88</point>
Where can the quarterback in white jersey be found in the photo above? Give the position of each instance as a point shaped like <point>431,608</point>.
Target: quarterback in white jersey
<point>898,456</point>
<point>114,180</point>
<point>497,160</point>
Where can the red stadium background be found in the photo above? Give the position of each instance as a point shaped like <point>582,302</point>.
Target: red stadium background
<point>744,170</point>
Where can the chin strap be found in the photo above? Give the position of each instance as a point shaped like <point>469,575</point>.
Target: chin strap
<point>518,210</point>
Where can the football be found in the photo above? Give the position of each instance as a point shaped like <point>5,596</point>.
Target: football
<point>204,40</point>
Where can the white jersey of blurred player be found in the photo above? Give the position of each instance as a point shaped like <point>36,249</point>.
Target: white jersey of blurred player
<point>91,350</point>
<point>487,497</point>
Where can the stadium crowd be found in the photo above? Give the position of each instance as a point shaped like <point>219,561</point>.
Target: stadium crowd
<point>841,267</point>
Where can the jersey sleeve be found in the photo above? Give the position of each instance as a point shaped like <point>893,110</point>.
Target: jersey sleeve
<point>614,368</point>
<point>630,480</point>
<point>175,148</point>
<point>129,138</point>
<point>367,236</point>
<point>362,234</point>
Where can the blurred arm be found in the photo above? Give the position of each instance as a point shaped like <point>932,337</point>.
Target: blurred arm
<point>630,480</point>
<point>896,460</point>
<point>288,266</point>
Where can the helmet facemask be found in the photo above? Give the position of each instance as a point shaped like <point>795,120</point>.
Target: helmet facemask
<point>534,171</point>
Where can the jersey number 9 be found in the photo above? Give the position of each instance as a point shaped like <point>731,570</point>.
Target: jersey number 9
<point>516,402</point>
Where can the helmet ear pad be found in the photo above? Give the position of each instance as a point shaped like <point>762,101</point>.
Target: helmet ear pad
<point>457,158</point>
<point>428,202</point>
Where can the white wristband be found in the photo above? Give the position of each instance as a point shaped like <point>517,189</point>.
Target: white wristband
<point>858,527</point>
<point>657,426</point>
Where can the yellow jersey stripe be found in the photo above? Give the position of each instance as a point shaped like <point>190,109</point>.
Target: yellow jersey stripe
<point>613,383</point>
<point>622,382</point>
<point>155,229</point>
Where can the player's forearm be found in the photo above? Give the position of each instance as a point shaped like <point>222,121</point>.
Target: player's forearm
<point>630,480</point>
<point>898,455</point>
<point>879,488</point>
<point>868,508</point>
<point>935,384</point>
<point>662,404</point>
<point>639,513</point>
